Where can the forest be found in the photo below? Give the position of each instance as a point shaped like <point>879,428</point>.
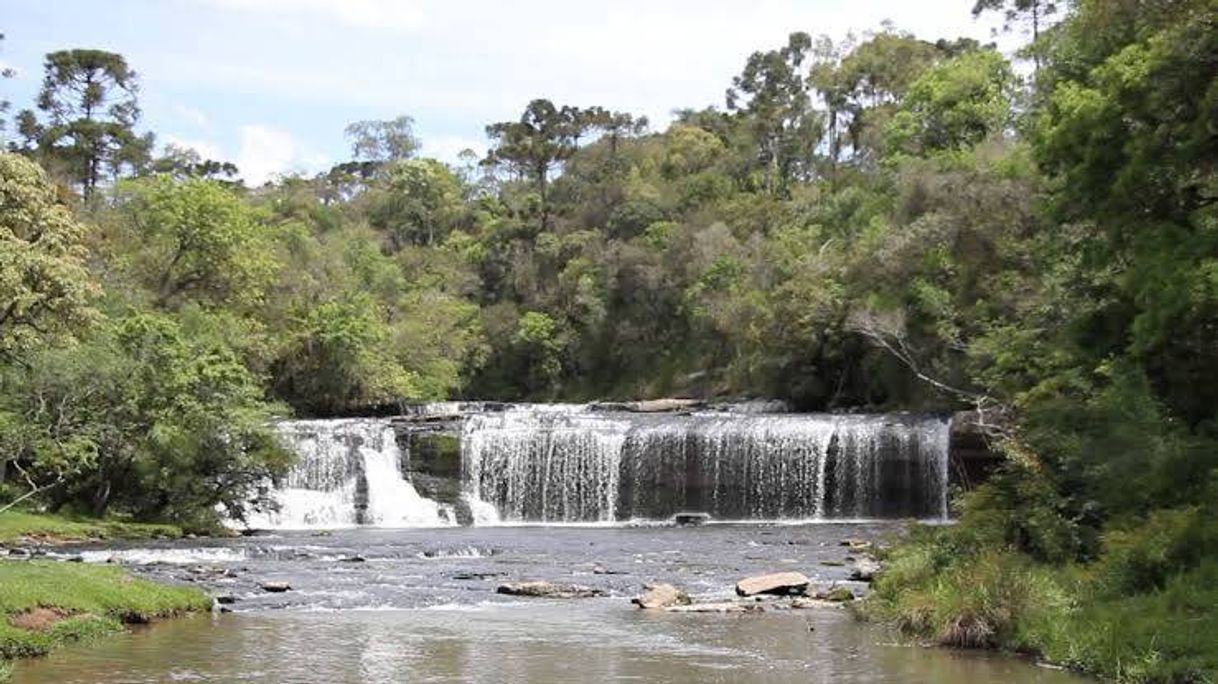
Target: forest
<point>875,223</point>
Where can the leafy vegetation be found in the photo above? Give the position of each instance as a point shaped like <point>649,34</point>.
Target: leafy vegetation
<point>879,223</point>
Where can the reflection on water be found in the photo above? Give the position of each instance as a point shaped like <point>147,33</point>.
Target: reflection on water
<point>599,640</point>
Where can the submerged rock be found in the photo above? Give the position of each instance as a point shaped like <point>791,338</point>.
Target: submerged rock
<point>276,587</point>
<point>782,583</point>
<point>718,607</point>
<point>662,596</point>
<point>690,519</point>
<point>836,595</point>
<point>806,603</point>
<point>548,590</point>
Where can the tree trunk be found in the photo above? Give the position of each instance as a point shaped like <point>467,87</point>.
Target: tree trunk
<point>101,499</point>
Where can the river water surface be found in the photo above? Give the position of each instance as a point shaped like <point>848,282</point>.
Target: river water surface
<point>375,605</point>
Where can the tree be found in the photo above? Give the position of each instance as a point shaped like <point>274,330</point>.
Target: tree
<point>88,99</point>
<point>45,287</point>
<point>184,162</point>
<point>954,105</point>
<point>772,96</point>
<point>418,204</point>
<point>543,138</point>
<point>1034,11</point>
<point>5,105</point>
<point>383,143</point>
<point>147,416</point>
<point>862,87</point>
<point>194,240</point>
<point>1128,133</point>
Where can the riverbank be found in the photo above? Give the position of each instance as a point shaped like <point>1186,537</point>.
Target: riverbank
<point>46,604</point>
<point>1111,618</point>
<point>19,527</point>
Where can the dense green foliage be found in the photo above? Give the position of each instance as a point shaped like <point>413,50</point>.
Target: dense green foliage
<point>883,223</point>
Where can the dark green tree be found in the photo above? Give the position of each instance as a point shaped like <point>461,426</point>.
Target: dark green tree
<point>89,112</point>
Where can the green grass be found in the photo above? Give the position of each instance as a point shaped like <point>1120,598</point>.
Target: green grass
<point>1074,615</point>
<point>97,599</point>
<point>14,525</point>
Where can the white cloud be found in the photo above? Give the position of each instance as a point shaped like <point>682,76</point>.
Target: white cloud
<point>267,152</point>
<point>446,148</point>
<point>395,15</point>
<point>190,115</point>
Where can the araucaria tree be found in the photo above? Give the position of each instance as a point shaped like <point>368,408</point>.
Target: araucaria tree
<point>87,112</point>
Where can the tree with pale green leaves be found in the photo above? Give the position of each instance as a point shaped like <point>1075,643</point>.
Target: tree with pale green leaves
<point>46,290</point>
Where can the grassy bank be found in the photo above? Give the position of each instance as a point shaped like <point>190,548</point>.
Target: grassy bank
<point>1137,613</point>
<point>18,525</point>
<point>45,604</point>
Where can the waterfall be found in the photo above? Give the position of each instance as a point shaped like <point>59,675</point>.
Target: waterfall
<point>567,463</point>
<point>600,463</point>
<point>346,473</point>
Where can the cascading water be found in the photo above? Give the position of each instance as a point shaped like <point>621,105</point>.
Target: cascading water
<point>581,463</point>
<point>346,473</point>
<point>571,464</point>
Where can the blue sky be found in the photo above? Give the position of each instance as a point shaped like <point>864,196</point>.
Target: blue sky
<point>270,84</point>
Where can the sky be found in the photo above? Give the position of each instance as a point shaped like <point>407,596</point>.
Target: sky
<point>271,84</point>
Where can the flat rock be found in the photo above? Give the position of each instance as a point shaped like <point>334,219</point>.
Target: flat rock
<point>662,596</point>
<point>781,583</point>
<point>865,570</point>
<point>276,587</point>
<point>663,405</point>
<point>718,607</point>
<point>548,590</point>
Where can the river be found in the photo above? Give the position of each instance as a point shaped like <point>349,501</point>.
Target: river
<point>415,605</point>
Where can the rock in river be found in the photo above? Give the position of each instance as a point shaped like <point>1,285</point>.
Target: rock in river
<point>276,587</point>
<point>548,590</point>
<point>865,570</point>
<point>661,596</point>
<point>782,583</point>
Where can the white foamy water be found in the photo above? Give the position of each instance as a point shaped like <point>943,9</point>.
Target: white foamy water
<point>564,464</point>
<point>575,464</point>
<point>175,556</point>
<point>347,474</point>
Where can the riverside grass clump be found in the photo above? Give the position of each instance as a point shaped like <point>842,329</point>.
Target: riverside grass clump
<point>44,604</point>
<point>1144,610</point>
<point>16,525</point>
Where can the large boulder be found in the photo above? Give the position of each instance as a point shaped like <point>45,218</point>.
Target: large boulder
<point>781,583</point>
<point>548,590</point>
<point>662,596</point>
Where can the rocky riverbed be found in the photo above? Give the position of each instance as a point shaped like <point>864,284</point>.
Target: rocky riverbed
<point>393,605</point>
